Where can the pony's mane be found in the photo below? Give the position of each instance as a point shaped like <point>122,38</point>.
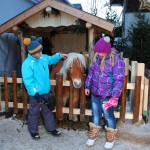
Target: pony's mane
<point>67,63</point>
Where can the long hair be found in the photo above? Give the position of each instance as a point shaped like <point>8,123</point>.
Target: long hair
<point>111,56</point>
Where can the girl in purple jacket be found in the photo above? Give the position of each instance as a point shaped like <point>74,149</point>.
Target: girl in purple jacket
<point>104,81</point>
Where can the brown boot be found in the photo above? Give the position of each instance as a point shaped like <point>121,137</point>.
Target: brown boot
<point>93,133</point>
<point>111,135</point>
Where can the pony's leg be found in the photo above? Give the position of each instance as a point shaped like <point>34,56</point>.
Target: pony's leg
<point>65,95</point>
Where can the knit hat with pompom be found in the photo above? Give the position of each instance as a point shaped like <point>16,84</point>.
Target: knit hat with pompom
<point>33,47</point>
<point>103,45</point>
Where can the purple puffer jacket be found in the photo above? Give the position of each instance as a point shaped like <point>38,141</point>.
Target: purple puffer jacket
<point>108,82</point>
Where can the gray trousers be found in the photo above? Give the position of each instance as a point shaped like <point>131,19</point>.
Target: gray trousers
<point>34,112</point>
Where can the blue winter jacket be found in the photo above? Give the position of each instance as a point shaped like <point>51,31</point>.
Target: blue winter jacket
<point>35,73</point>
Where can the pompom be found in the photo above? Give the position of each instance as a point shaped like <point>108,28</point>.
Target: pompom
<point>107,39</point>
<point>27,41</point>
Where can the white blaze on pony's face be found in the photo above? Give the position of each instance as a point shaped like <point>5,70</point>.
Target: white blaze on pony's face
<point>73,68</point>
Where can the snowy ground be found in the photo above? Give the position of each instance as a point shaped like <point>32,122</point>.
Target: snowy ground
<point>14,136</point>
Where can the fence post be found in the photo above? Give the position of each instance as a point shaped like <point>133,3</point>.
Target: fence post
<point>59,96</point>
<point>133,76</point>
<point>123,99</point>
<point>6,91</point>
<point>145,102</point>
<point>25,100</point>
<point>82,101</point>
<point>14,82</point>
<point>140,72</point>
<point>71,101</point>
<point>136,106</point>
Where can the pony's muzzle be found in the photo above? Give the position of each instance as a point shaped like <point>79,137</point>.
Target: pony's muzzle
<point>77,83</point>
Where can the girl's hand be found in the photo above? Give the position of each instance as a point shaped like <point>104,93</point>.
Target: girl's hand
<point>87,92</point>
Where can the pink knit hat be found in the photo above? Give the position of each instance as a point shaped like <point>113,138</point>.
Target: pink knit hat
<point>103,45</point>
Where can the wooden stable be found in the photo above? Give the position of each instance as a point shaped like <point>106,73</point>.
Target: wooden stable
<point>140,96</point>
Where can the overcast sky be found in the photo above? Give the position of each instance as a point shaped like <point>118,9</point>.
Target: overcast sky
<point>100,4</point>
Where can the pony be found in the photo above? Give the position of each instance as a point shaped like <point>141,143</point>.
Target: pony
<point>73,69</point>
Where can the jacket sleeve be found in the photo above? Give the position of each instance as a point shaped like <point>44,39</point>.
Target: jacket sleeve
<point>53,59</point>
<point>88,80</point>
<point>28,79</point>
<point>118,75</point>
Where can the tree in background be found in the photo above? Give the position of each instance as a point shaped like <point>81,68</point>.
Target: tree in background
<point>139,39</point>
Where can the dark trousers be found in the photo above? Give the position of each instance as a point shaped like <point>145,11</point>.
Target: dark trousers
<point>34,113</point>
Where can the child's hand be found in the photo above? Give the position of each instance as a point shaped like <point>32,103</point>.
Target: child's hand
<point>111,103</point>
<point>64,56</point>
<point>87,92</point>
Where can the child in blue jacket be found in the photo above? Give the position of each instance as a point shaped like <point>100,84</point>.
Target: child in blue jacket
<point>35,75</point>
<point>104,81</point>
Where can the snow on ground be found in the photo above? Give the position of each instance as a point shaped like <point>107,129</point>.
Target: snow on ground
<point>14,136</point>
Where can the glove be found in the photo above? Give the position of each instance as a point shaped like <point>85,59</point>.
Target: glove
<point>40,99</point>
<point>51,105</point>
<point>111,103</point>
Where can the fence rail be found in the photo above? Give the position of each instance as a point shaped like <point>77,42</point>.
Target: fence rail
<point>140,96</point>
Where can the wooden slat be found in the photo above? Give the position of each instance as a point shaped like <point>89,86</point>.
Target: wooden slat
<point>123,100</point>
<point>14,81</point>
<point>62,7</point>
<point>126,60</point>
<point>6,91</point>
<point>25,100</point>
<point>133,76</point>
<point>71,101</point>
<point>82,102</point>
<point>136,99</point>
<point>141,72</point>
<point>76,111</point>
<point>145,102</point>
<point>59,96</point>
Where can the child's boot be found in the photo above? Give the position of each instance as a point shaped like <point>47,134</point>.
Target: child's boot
<point>93,133</point>
<point>111,135</point>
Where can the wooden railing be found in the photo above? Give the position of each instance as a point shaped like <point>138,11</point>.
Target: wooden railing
<point>139,96</point>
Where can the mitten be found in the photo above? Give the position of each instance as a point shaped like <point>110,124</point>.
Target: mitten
<point>51,105</point>
<point>111,103</point>
<point>40,99</point>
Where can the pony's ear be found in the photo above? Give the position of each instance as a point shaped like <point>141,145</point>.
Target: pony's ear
<point>85,54</point>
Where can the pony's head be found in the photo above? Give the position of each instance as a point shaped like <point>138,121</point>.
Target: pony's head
<point>73,68</point>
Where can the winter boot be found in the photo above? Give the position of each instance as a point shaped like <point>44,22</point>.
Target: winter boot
<point>93,133</point>
<point>111,135</point>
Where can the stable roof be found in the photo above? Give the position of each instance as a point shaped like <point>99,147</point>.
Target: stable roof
<point>101,23</point>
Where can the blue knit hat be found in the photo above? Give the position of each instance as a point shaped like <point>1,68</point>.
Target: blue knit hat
<point>33,46</point>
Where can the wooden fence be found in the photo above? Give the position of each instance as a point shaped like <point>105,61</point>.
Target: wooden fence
<point>134,81</point>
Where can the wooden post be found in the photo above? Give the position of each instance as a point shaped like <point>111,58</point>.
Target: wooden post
<point>14,82</point>
<point>141,72</point>
<point>136,108</point>
<point>82,102</point>
<point>126,61</point>
<point>6,91</point>
<point>23,49</point>
<point>145,102</point>
<point>123,99</point>
<point>59,96</point>
<point>25,100</point>
<point>71,101</point>
<point>133,76</point>
<point>91,43</point>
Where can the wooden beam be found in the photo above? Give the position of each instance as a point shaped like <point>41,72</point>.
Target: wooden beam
<point>62,7</point>
<point>76,111</point>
